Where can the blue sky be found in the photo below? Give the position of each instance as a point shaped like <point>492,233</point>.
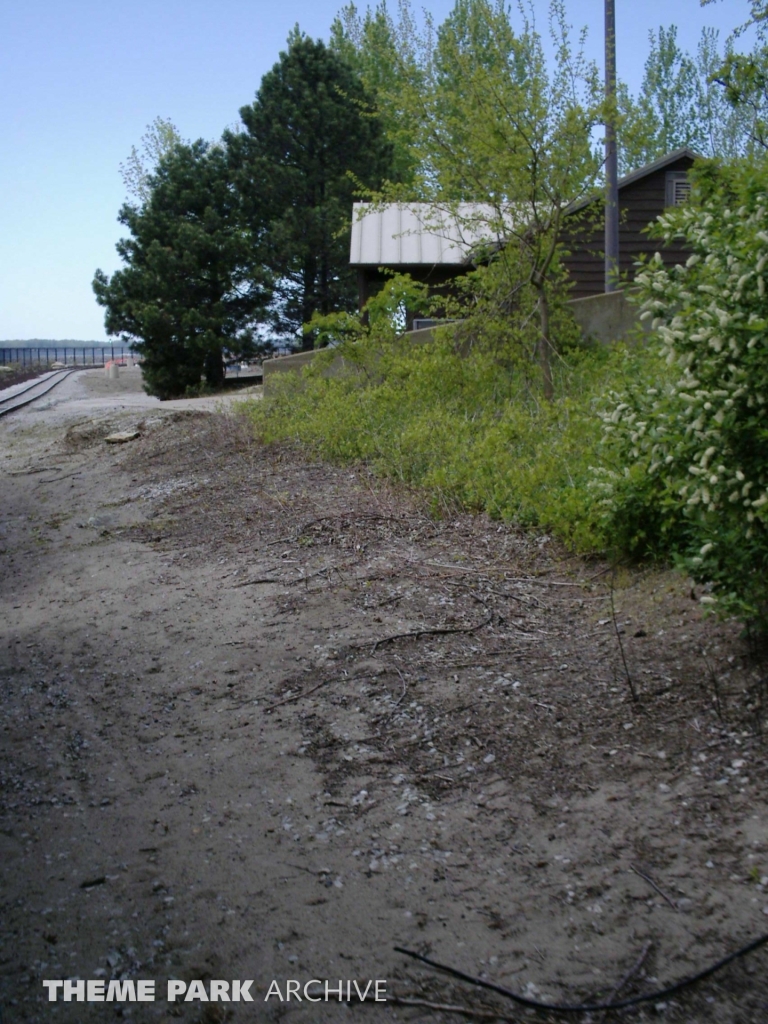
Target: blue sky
<point>81,80</point>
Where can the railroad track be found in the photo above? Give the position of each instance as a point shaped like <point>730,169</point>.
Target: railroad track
<point>32,391</point>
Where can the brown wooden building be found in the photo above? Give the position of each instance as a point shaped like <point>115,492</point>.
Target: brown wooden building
<point>436,247</point>
<point>643,196</point>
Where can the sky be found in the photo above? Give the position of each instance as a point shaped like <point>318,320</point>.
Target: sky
<point>82,79</point>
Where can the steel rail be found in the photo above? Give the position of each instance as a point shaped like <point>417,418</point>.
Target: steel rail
<point>60,375</point>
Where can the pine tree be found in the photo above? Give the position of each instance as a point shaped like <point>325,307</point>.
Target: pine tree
<point>192,288</point>
<point>312,138</point>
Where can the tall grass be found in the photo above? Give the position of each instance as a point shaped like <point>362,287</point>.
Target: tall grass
<point>466,429</point>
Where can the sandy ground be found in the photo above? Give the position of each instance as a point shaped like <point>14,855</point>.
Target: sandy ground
<point>92,393</point>
<point>266,719</point>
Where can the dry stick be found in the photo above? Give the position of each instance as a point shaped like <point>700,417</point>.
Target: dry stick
<point>258,579</point>
<point>651,882</point>
<point>437,631</point>
<point>297,696</point>
<point>621,645</point>
<point>477,571</point>
<point>632,971</point>
<point>619,1004</point>
<point>323,571</point>
<point>405,689</point>
<point>716,689</point>
<point>305,693</point>
<point>356,516</point>
<point>497,593</point>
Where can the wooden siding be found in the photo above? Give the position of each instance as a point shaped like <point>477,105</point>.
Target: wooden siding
<point>640,203</point>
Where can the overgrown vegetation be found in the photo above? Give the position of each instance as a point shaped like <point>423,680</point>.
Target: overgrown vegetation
<point>462,417</point>
<point>658,449</point>
<point>691,436</point>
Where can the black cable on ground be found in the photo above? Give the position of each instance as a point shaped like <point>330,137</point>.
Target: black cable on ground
<point>620,1004</point>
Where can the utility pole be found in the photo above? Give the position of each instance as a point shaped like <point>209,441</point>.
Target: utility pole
<point>611,153</point>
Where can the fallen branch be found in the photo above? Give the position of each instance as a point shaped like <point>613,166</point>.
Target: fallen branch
<point>415,634</point>
<point>466,1011</point>
<point>258,579</point>
<point>651,882</point>
<point>632,689</point>
<point>647,997</point>
<point>636,966</point>
<point>297,696</point>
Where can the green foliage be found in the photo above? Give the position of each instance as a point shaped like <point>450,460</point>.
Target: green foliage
<point>382,321</point>
<point>189,290</point>
<point>744,76</point>
<point>390,56</point>
<point>458,421</point>
<point>504,142</point>
<point>692,433</point>
<point>160,139</point>
<point>680,103</point>
<point>309,136</point>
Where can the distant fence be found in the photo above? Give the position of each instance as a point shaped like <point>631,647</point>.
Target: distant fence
<point>81,355</point>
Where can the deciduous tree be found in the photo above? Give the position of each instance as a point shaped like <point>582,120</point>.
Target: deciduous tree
<point>160,138</point>
<point>501,130</point>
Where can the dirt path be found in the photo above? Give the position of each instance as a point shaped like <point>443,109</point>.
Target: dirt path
<point>265,719</point>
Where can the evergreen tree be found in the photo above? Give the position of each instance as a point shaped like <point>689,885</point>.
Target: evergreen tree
<point>311,139</point>
<point>192,287</point>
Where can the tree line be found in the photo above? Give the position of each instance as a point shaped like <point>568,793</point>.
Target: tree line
<point>236,243</point>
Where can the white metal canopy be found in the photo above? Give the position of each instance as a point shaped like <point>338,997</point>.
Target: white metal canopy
<point>408,234</point>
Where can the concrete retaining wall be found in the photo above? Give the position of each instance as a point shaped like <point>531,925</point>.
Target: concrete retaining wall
<point>607,318</point>
<point>286,364</point>
<point>601,318</point>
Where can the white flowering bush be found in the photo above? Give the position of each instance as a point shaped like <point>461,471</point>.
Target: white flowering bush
<point>691,432</point>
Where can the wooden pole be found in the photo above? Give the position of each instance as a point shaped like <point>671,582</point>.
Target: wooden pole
<point>611,154</point>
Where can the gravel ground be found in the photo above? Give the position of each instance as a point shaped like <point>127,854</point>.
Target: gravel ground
<point>265,718</point>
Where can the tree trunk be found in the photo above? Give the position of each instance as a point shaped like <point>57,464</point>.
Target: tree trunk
<point>309,281</point>
<point>214,369</point>
<point>544,346</point>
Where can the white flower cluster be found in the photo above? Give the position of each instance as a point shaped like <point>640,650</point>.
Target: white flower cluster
<point>711,319</point>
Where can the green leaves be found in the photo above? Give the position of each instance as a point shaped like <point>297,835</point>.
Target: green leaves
<point>695,441</point>
<point>310,135</point>
<point>191,288</point>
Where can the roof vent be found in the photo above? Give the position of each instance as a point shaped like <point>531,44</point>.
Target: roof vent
<point>678,188</point>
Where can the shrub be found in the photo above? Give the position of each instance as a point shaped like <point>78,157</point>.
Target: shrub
<point>460,418</point>
<point>692,433</point>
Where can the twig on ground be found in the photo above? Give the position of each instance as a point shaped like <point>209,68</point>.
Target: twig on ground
<point>632,689</point>
<point>496,593</point>
<point>297,696</point>
<point>494,571</point>
<point>401,698</point>
<point>719,705</point>
<point>435,631</point>
<point>324,571</point>
<point>634,969</point>
<point>466,1011</point>
<point>651,882</point>
<point>619,1004</point>
<point>257,579</point>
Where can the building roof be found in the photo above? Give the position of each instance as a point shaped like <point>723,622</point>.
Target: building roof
<point>642,172</point>
<point>408,234</point>
<point>412,234</point>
